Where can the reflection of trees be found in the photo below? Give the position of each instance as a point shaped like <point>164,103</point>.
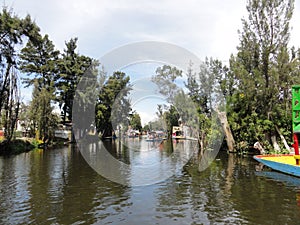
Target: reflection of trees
<point>261,196</point>
<point>14,193</point>
<point>202,192</point>
<point>118,150</point>
<point>226,192</point>
<point>56,187</point>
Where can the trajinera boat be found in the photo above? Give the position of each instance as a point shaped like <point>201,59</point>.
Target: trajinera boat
<point>289,164</point>
<point>282,163</point>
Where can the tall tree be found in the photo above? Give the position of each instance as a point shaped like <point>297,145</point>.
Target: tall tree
<point>13,32</point>
<point>205,91</point>
<point>39,60</point>
<point>72,66</point>
<point>165,79</point>
<point>86,94</point>
<point>263,72</point>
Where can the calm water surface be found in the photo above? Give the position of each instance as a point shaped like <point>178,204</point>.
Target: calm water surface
<point>59,187</point>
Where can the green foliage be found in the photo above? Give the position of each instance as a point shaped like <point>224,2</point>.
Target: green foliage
<point>71,68</point>
<point>165,79</point>
<point>206,89</point>
<point>39,58</point>
<point>171,117</point>
<point>13,32</point>
<point>262,74</point>
<point>44,121</point>
<point>135,121</point>
<point>86,95</point>
<point>16,146</point>
<point>113,106</point>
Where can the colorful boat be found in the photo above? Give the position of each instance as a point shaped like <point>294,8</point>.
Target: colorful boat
<point>289,164</point>
<point>282,163</point>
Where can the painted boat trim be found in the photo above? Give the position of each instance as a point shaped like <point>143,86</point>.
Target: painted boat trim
<point>291,169</point>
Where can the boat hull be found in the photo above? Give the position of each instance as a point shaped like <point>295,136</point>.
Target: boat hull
<point>282,163</point>
<point>154,140</point>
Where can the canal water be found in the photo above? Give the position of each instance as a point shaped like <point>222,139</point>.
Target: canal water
<point>59,187</point>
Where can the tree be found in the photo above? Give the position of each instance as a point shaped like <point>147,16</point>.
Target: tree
<point>39,59</point>
<point>86,95</point>
<point>165,79</point>
<point>13,31</point>
<point>205,91</point>
<point>135,121</point>
<point>112,106</point>
<point>72,66</point>
<point>263,72</point>
<point>43,120</point>
<point>171,118</point>
<point>24,117</point>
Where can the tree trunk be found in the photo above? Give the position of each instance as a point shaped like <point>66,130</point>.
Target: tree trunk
<point>283,139</point>
<point>227,131</point>
<point>274,143</point>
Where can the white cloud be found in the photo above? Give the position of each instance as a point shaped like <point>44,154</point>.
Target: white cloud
<point>146,117</point>
<point>205,27</point>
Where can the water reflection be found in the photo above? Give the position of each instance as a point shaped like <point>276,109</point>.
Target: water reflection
<point>15,194</point>
<point>59,187</point>
<point>135,163</point>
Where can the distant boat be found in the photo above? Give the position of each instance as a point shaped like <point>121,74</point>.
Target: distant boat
<point>133,133</point>
<point>282,163</point>
<point>63,134</point>
<point>154,136</point>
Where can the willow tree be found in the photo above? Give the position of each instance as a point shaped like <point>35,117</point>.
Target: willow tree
<point>263,73</point>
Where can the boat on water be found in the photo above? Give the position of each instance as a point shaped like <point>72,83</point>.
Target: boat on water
<point>289,164</point>
<point>154,136</point>
<point>133,133</point>
<point>282,163</point>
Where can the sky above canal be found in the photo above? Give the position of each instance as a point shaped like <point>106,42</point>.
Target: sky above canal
<point>208,28</point>
<point>205,27</point>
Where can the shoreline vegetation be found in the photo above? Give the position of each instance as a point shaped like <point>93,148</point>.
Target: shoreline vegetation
<point>21,145</point>
<point>17,146</point>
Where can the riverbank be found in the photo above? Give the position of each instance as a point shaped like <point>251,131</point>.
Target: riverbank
<point>18,146</point>
<point>21,145</point>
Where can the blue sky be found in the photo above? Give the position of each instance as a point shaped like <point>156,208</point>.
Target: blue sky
<point>204,27</point>
<point>145,95</point>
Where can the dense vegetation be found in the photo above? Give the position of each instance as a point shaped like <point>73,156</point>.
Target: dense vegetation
<point>256,84</point>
